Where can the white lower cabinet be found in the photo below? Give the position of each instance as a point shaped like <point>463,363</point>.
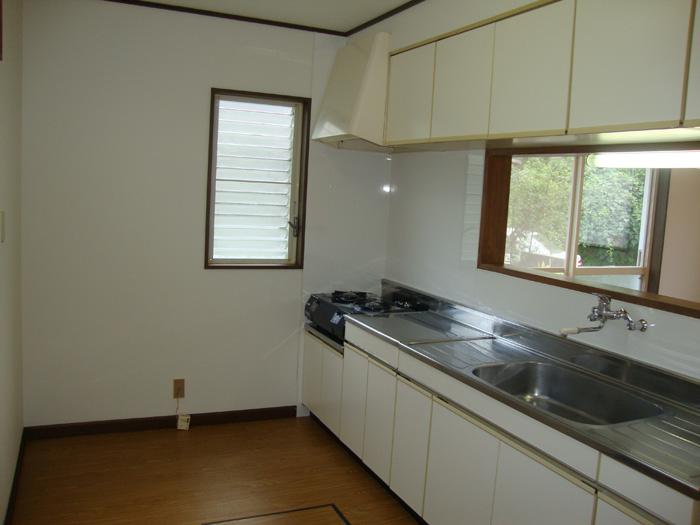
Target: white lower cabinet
<point>411,436</point>
<point>529,493</point>
<point>379,419</point>
<point>354,399</point>
<point>462,464</point>
<point>313,371</point>
<point>606,514</point>
<point>331,388</point>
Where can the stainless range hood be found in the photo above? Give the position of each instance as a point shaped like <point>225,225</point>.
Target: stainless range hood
<point>353,108</point>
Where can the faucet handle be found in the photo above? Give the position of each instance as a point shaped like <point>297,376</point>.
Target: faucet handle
<point>603,299</point>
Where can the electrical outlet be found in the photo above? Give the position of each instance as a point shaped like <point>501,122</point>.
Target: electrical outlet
<point>178,388</point>
<point>183,422</point>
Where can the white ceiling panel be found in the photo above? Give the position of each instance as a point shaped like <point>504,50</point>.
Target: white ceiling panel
<point>337,15</point>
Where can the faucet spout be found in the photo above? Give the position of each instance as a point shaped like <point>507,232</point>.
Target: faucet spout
<point>603,312</point>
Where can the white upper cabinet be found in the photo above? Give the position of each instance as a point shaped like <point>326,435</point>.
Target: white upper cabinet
<point>692,108</point>
<point>629,62</point>
<point>410,95</point>
<point>461,475</point>
<point>463,65</point>
<point>529,493</point>
<point>531,69</point>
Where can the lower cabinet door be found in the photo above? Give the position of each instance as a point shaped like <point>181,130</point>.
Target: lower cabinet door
<point>354,399</point>
<point>606,514</point>
<point>331,388</point>
<point>462,464</point>
<point>410,453</point>
<point>312,372</point>
<point>379,419</point>
<point>529,493</point>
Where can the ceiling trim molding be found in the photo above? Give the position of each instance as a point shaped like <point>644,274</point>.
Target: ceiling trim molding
<point>276,23</point>
<point>383,16</point>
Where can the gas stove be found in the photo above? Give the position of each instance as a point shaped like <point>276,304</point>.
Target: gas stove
<point>326,311</point>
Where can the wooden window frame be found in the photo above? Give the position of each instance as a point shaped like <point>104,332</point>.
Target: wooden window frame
<point>304,137</point>
<point>494,220</point>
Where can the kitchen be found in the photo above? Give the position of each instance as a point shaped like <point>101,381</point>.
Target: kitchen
<point>115,301</point>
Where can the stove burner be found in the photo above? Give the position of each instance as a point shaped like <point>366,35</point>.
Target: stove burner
<point>342,297</point>
<point>375,306</point>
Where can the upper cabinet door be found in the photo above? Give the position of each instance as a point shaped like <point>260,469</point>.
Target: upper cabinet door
<point>463,67</point>
<point>410,95</point>
<point>692,108</point>
<point>531,69</point>
<point>629,62</point>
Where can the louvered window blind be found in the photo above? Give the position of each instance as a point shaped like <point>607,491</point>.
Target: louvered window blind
<point>255,181</point>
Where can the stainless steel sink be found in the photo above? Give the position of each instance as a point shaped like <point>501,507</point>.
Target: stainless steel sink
<point>649,379</point>
<point>567,393</point>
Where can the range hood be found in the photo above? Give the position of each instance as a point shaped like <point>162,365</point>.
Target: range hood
<point>353,108</point>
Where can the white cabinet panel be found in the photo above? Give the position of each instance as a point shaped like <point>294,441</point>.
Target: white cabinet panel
<point>313,370</point>
<point>379,419</point>
<point>374,346</point>
<point>532,59</point>
<point>606,514</point>
<point>354,399</point>
<point>331,388</point>
<point>463,65</point>
<point>411,435</point>
<point>641,82</point>
<point>461,477</point>
<point>410,94</point>
<point>566,449</point>
<point>528,493</point>
<point>692,109</point>
<point>648,493</point>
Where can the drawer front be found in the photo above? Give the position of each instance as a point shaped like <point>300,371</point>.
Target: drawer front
<point>648,493</point>
<point>376,347</point>
<point>569,451</point>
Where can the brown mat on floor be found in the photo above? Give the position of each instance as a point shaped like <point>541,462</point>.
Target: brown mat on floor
<point>321,515</point>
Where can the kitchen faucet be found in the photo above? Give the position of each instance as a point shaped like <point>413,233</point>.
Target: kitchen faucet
<point>603,313</point>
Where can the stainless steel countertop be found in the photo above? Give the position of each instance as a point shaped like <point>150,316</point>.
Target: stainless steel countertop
<point>665,447</point>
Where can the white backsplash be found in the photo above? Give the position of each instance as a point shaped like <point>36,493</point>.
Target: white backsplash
<point>433,242</point>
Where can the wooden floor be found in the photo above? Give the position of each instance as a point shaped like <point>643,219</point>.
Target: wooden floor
<point>209,474</point>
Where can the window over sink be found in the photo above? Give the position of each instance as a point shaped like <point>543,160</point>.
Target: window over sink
<point>619,220</point>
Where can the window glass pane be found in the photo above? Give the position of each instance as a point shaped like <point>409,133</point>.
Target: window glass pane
<point>614,208</point>
<point>254,180</point>
<point>538,211</point>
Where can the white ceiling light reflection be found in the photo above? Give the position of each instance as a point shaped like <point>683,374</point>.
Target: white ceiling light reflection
<point>647,159</point>
<point>386,188</point>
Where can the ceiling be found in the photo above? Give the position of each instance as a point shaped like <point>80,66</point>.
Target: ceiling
<point>335,15</point>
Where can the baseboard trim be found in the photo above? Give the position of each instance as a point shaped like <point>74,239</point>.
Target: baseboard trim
<point>153,423</point>
<point>10,510</point>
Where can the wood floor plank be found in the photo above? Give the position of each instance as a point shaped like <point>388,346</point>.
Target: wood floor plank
<point>209,474</point>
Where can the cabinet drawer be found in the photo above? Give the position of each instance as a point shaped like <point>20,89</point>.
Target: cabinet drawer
<point>648,493</point>
<point>362,339</point>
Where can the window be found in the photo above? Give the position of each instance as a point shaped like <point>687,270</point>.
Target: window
<point>621,220</point>
<point>257,180</point>
<point>570,215</point>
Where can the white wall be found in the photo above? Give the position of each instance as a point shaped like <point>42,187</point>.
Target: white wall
<point>10,355</point>
<point>433,225</point>
<point>116,300</point>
